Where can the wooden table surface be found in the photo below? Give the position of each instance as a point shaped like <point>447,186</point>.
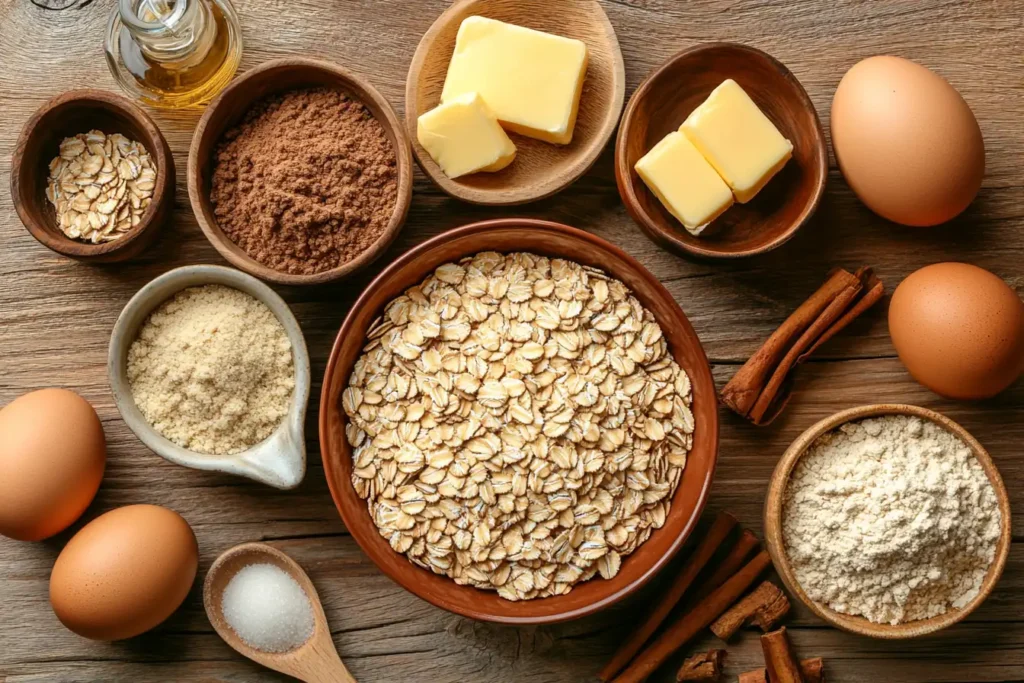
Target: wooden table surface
<point>56,316</point>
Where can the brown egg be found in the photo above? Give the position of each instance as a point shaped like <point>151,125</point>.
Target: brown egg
<point>906,142</point>
<point>959,329</point>
<point>124,572</point>
<point>52,455</point>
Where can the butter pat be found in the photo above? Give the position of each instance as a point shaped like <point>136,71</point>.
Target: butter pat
<point>684,182</point>
<point>463,136</point>
<point>531,80</point>
<point>738,139</point>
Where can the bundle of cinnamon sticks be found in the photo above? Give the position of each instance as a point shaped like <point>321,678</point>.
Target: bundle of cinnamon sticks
<point>715,575</point>
<point>761,388</point>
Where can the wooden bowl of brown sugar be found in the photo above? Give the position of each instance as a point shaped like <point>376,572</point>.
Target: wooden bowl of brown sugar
<point>300,172</point>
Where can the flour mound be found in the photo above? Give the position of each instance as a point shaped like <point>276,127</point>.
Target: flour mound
<point>890,518</point>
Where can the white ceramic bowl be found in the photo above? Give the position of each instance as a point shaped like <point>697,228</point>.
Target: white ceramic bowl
<point>280,459</point>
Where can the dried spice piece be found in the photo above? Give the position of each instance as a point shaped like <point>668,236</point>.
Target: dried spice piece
<point>812,670</point>
<point>779,661</point>
<point>307,182</point>
<point>761,388</point>
<point>713,539</point>
<point>518,423</point>
<point>765,607</point>
<point>746,544</point>
<point>699,617</point>
<point>703,667</point>
<point>100,186</point>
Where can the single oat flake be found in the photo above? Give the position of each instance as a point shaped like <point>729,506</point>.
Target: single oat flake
<point>517,424</point>
<point>100,185</point>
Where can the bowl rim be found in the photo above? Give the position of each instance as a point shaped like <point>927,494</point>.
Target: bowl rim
<point>775,500</point>
<point>247,463</point>
<point>361,90</point>
<point>624,174</point>
<point>586,158</point>
<point>405,576</point>
<point>163,192</point>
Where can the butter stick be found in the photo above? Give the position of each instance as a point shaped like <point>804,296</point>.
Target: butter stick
<point>531,80</point>
<point>735,136</point>
<point>684,182</point>
<point>463,136</point>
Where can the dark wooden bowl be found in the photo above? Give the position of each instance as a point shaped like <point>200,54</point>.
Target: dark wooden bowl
<point>775,502</point>
<point>540,169</point>
<point>661,104</point>
<point>228,109</point>
<point>74,112</point>
<point>551,239</point>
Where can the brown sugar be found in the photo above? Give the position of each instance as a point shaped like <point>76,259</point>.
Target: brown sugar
<point>306,182</point>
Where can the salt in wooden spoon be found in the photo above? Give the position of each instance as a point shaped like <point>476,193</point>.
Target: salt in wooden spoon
<point>316,660</point>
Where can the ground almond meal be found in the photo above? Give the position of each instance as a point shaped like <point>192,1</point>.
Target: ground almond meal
<point>518,424</point>
<point>212,370</point>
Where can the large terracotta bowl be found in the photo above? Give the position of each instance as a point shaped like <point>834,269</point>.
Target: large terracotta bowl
<point>550,239</point>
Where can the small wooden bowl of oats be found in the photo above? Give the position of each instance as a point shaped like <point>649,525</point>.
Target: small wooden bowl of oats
<point>538,276</point>
<point>76,113</point>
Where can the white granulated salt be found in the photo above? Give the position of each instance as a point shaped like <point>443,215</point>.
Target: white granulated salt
<point>267,608</point>
<point>890,518</point>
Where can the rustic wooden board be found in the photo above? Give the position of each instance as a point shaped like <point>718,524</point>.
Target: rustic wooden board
<point>56,316</point>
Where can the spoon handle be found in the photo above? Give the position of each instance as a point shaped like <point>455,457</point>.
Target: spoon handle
<point>323,664</point>
<point>329,672</point>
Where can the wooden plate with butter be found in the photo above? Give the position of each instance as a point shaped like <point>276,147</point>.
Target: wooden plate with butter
<point>502,53</point>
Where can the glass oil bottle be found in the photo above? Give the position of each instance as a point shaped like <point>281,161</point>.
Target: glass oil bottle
<point>173,53</point>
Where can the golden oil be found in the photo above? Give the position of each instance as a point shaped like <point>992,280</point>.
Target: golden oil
<point>173,53</point>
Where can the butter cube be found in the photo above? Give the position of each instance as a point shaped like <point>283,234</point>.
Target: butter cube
<point>463,136</point>
<point>684,182</point>
<point>738,139</point>
<point>530,79</point>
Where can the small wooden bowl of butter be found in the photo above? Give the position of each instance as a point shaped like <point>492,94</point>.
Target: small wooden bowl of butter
<point>510,102</point>
<point>720,153</point>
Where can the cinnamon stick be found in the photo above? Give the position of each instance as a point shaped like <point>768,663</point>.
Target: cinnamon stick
<point>694,621</point>
<point>813,671</point>
<point>716,535</point>
<point>764,606</point>
<point>729,565</point>
<point>706,666</point>
<point>873,291</point>
<point>760,389</point>
<point>779,661</point>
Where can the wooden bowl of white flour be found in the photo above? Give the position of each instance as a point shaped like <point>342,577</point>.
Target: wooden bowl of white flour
<point>890,521</point>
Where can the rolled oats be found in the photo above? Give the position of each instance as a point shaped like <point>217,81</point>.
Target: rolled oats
<point>517,424</point>
<point>100,186</point>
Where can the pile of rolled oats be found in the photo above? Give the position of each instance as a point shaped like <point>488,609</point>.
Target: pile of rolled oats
<point>100,185</point>
<point>517,424</point>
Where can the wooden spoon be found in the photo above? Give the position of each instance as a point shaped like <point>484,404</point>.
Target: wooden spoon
<point>316,660</point>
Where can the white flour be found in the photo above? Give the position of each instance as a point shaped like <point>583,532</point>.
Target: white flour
<point>891,518</point>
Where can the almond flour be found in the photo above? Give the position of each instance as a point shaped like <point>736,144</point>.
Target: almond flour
<point>890,518</point>
<point>212,370</point>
